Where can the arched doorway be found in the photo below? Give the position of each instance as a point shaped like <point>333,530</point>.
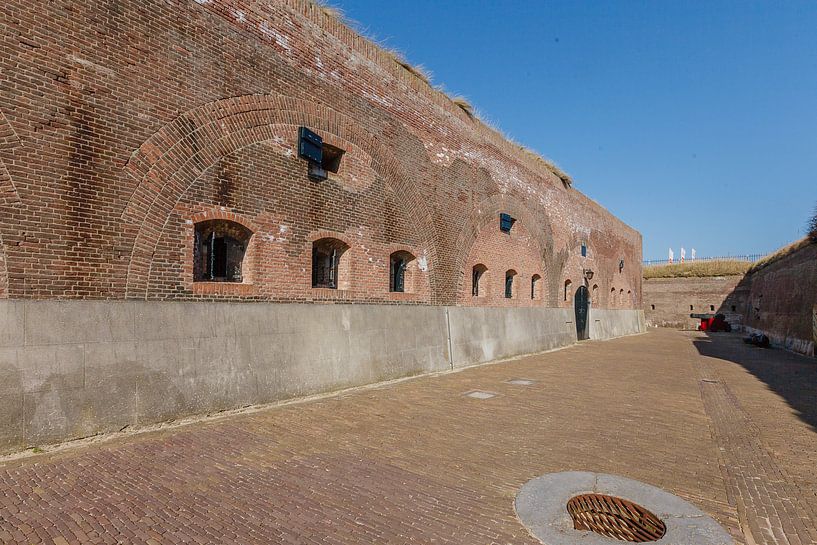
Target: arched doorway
<point>581,304</point>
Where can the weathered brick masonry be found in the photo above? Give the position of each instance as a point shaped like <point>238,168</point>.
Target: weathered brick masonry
<point>150,177</point>
<point>125,123</point>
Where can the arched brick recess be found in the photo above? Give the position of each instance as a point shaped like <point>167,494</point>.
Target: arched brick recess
<point>8,141</point>
<point>167,164</point>
<point>487,212</point>
<point>8,194</point>
<point>220,214</point>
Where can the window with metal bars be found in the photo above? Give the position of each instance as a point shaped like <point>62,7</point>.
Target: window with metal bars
<point>326,262</point>
<point>399,263</point>
<point>218,251</point>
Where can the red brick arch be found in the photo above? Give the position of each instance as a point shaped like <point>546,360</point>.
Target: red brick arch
<point>168,163</point>
<point>487,212</point>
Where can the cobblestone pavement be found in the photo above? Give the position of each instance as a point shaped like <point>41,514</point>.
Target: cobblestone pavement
<point>728,427</point>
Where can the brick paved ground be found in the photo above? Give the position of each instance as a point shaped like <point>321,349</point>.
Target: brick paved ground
<point>416,462</point>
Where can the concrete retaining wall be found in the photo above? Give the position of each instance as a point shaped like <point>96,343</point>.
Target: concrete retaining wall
<point>75,368</point>
<point>606,324</point>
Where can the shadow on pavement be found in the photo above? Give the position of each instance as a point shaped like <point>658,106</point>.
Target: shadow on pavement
<point>790,375</point>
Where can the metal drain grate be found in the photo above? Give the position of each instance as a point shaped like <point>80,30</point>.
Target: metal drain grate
<point>521,382</point>
<point>614,517</point>
<point>479,394</point>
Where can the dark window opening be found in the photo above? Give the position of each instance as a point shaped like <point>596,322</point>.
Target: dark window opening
<point>534,281</point>
<point>506,222</point>
<point>734,308</point>
<point>326,258</point>
<point>398,263</point>
<point>218,251</point>
<point>712,307</point>
<point>476,276</point>
<point>691,307</point>
<point>331,157</point>
<point>653,307</point>
<point>584,249</point>
<point>509,284</point>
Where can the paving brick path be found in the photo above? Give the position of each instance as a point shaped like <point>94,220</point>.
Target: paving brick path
<point>419,462</point>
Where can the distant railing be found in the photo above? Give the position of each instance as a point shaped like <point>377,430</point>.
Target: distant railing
<point>751,258</point>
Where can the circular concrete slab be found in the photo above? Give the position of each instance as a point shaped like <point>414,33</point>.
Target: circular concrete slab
<point>541,505</point>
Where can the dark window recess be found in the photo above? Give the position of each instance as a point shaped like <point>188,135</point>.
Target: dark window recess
<point>712,307</point>
<point>218,252</point>
<point>476,276</point>
<point>397,274</point>
<point>325,265</point>
<point>331,158</point>
<point>584,249</point>
<point>734,308</point>
<point>506,222</point>
<point>652,306</point>
<point>533,282</point>
<point>691,307</point>
<point>509,284</point>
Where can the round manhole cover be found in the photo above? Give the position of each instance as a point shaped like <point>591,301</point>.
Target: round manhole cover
<point>583,508</point>
<point>615,517</point>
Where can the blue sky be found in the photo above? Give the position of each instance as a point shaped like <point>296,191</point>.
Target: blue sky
<point>694,122</point>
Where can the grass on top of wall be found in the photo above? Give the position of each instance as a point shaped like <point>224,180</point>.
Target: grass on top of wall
<point>782,252</point>
<point>697,269</point>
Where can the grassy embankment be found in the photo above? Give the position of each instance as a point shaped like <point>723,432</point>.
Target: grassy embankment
<point>698,269</point>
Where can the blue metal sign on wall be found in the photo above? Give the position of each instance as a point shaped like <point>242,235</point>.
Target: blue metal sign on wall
<point>505,222</point>
<point>310,145</point>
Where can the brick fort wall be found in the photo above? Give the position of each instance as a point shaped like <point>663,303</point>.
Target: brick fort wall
<point>124,124</point>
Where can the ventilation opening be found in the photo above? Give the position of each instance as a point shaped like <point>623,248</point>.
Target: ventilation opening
<point>615,517</point>
<point>653,307</point>
<point>331,157</point>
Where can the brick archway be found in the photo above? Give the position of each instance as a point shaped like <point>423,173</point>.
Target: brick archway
<point>488,211</point>
<point>168,163</point>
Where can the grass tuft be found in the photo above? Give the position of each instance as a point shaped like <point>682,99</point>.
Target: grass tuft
<point>333,12</point>
<point>464,105</point>
<point>812,226</point>
<point>420,72</point>
<point>698,269</point>
<point>550,165</point>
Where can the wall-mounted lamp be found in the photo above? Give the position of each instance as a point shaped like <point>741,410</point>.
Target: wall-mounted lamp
<point>588,273</point>
<point>621,265</point>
